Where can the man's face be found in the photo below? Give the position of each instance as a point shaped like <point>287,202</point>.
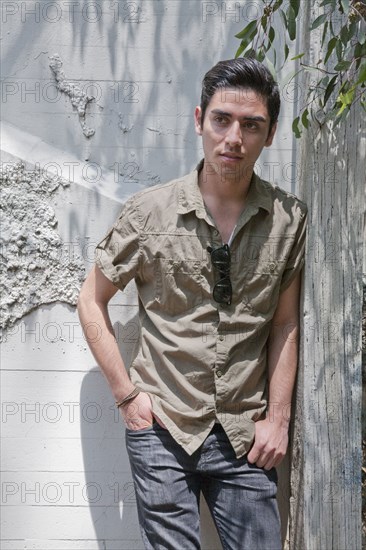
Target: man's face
<point>234,132</point>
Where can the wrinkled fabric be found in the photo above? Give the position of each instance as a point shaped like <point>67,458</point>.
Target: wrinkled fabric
<point>168,482</point>
<point>198,360</point>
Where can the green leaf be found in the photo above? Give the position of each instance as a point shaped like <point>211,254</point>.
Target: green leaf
<point>352,30</point>
<point>339,50</point>
<point>329,89</point>
<point>261,54</point>
<point>291,23</point>
<point>250,30</point>
<point>277,5</point>
<point>284,19</point>
<point>360,51</point>
<point>319,21</point>
<point>264,20</point>
<point>295,127</point>
<point>343,66</point>
<point>344,34</point>
<point>304,119</point>
<point>345,100</point>
<point>331,45</point>
<point>240,50</point>
<point>250,54</point>
<point>287,51</point>
<point>295,4</point>
<point>243,47</point>
<point>361,36</point>
<point>324,33</point>
<point>362,74</point>
<point>271,34</point>
<point>297,57</point>
<point>345,86</point>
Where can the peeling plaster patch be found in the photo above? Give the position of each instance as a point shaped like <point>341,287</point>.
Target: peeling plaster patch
<point>157,130</point>
<point>163,131</point>
<point>40,53</point>
<point>36,266</point>
<point>79,99</point>
<point>125,129</point>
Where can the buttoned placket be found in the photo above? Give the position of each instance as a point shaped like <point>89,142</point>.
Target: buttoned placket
<point>223,344</point>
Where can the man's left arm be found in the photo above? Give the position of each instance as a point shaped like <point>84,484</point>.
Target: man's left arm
<point>271,434</point>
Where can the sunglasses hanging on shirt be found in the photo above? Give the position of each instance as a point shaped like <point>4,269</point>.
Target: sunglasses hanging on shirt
<point>221,260</point>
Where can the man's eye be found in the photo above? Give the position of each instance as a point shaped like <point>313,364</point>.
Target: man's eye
<point>250,125</point>
<point>220,120</point>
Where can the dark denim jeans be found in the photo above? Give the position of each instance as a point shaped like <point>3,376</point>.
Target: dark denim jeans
<point>241,497</point>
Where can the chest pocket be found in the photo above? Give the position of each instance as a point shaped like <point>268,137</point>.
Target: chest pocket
<point>258,284</point>
<point>179,284</point>
<point>264,267</point>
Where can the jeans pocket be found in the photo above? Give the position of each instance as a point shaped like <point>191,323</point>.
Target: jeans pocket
<point>142,431</point>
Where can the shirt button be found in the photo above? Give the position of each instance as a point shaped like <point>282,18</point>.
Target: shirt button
<point>272,266</point>
<point>221,338</point>
<point>219,373</point>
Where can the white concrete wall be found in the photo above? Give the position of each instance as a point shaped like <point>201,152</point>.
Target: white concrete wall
<point>66,482</point>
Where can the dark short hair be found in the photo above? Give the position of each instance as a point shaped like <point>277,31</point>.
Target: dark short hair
<point>244,73</point>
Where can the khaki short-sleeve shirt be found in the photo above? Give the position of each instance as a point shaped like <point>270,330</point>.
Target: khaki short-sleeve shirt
<point>198,360</point>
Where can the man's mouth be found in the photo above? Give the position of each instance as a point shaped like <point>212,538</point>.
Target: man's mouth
<point>231,156</point>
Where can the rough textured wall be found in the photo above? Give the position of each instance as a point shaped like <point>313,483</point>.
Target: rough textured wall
<point>37,266</point>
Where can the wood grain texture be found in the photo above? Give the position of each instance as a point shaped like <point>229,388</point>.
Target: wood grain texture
<point>326,461</point>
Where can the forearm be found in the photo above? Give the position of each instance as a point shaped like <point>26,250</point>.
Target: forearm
<point>282,366</point>
<point>271,433</point>
<point>99,334</point>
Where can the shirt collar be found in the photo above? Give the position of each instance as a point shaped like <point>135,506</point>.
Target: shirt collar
<point>190,197</point>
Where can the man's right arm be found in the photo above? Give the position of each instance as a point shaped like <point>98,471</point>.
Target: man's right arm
<point>94,297</point>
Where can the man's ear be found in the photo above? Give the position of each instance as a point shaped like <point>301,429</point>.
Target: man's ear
<point>271,135</point>
<point>197,120</point>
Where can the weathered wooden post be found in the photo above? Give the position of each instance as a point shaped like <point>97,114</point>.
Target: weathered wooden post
<point>326,458</point>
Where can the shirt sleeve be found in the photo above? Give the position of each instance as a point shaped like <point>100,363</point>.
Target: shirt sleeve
<point>297,256</point>
<point>117,255</point>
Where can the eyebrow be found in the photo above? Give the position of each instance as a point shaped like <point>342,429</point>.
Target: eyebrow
<point>253,118</point>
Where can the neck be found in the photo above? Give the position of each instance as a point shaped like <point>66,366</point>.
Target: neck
<point>230,189</point>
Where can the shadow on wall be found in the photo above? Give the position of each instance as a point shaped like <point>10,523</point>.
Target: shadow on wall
<point>107,475</point>
<point>111,493</point>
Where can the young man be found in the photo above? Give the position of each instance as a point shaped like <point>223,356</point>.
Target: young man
<point>216,257</point>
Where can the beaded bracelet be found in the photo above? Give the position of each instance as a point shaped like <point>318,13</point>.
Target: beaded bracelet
<point>128,398</point>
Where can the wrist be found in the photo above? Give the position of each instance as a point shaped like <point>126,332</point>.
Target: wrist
<point>127,398</point>
<point>279,413</point>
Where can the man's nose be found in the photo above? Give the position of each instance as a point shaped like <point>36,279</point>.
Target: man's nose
<point>233,136</point>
